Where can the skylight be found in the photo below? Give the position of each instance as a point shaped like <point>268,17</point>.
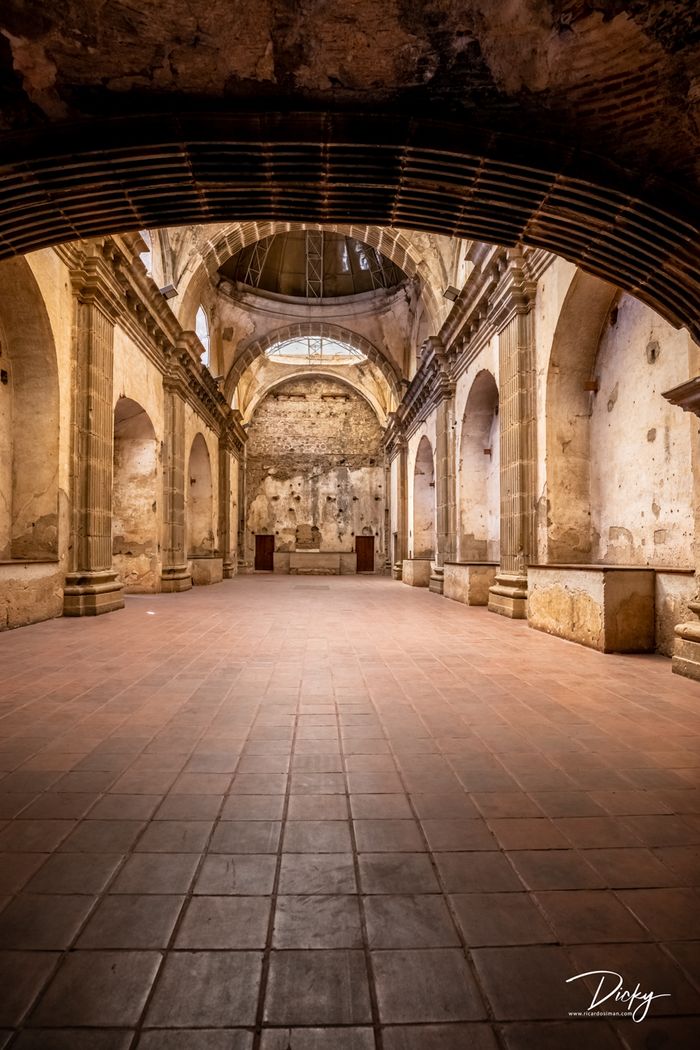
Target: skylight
<point>314,350</point>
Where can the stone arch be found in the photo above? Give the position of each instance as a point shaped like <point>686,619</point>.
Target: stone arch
<point>200,500</point>
<point>135,498</point>
<point>309,373</point>
<point>29,420</point>
<point>257,347</point>
<point>424,502</point>
<point>478,474</point>
<point>145,172</point>
<point>568,409</point>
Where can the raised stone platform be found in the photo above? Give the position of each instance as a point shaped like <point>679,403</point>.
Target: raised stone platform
<point>206,570</point>
<point>416,572</point>
<point>316,563</point>
<point>606,607</point>
<point>469,582</point>
<point>29,591</point>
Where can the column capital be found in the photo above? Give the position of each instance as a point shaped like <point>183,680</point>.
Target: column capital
<point>516,290</point>
<point>93,283</point>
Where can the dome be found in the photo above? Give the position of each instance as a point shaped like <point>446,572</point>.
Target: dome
<point>312,264</point>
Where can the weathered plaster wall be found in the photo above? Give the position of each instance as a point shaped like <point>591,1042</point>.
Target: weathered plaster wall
<point>36,300</point>
<point>552,288</point>
<point>422,530</point>
<point>315,473</point>
<point>641,477</point>
<point>137,495</point>
<point>426,430</point>
<point>138,378</point>
<point>478,473</point>
<point>136,499</point>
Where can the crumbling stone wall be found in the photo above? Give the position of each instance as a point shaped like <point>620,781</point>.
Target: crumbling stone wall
<point>641,476</point>
<point>135,476</point>
<point>315,470</point>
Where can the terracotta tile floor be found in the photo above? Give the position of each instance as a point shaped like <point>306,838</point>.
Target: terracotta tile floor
<point>336,814</point>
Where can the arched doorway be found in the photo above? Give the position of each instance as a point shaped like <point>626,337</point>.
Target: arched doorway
<point>424,502</point>
<point>135,548</point>
<point>478,474</point>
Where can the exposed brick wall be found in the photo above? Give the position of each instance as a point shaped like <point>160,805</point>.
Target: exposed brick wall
<point>315,475</point>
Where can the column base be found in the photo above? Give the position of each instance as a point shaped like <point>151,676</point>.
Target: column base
<point>397,570</point>
<point>436,583</point>
<point>686,655</point>
<point>508,596</point>
<point>229,569</point>
<point>92,593</point>
<point>175,578</point>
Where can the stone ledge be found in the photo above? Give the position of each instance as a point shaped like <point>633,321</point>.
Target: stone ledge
<point>416,572</point>
<point>469,582</point>
<point>206,569</point>
<point>605,607</point>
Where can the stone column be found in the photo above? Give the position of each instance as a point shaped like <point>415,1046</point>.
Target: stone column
<point>175,573</point>
<point>517,395</point>
<point>91,584</point>
<point>242,512</point>
<point>401,552</point>
<point>444,473</point>
<point>225,509</point>
<point>686,654</point>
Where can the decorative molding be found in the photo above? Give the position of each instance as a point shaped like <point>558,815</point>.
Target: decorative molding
<point>686,396</point>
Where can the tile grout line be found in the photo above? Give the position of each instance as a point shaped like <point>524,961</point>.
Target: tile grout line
<point>165,952</point>
<point>369,964</point>
<point>99,898</point>
<point>267,950</point>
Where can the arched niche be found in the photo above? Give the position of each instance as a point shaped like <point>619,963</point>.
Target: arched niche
<point>29,420</point>
<point>199,508</point>
<point>479,464</point>
<point>424,502</point>
<point>135,498</point>
<point>570,383</point>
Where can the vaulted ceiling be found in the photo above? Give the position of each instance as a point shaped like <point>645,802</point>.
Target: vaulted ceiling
<point>570,124</point>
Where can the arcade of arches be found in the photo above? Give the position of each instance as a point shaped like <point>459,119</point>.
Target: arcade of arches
<point>349,524</point>
<point>391,578</point>
<point>519,445</point>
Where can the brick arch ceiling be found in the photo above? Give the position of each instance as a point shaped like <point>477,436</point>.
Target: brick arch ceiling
<point>258,347</point>
<point>565,124</point>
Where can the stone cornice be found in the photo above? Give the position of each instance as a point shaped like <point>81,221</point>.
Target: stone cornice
<point>516,290</point>
<point>108,271</point>
<point>502,284</point>
<point>686,396</point>
<point>394,437</point>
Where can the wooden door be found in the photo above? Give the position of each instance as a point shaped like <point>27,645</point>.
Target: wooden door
<point>264,552</point>
<point>364,548</point>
